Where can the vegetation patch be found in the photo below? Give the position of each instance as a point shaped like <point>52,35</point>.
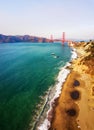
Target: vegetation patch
<point>76,83</point>
<point>71,112</point>
<point>75,95</point>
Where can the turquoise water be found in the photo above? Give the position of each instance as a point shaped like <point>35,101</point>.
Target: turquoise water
<point>27,70</point>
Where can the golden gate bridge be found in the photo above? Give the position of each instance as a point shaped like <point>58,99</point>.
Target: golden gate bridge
<point>62,40</point>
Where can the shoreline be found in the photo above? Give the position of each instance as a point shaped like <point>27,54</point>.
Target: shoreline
<point>61,79</point>
<point>54,93</point>
<point>74,109</point>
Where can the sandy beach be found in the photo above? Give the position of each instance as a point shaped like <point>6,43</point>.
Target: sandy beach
<point>74,109</point>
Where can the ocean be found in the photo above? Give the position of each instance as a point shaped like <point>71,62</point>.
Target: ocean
<point>27,72</point>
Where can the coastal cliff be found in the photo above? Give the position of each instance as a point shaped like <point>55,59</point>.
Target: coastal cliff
<point>74,109</point>
<point>25,38</point>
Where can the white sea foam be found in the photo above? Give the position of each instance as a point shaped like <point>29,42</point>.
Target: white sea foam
<point>74,54</point>
<point>45,125</point>
<point>61,79</point>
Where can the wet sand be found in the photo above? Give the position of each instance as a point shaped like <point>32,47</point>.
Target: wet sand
<point>74,109</point>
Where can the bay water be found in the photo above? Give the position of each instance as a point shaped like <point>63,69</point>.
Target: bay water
<point>27,71</point>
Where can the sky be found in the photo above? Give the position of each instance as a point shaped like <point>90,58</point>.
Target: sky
<point>46,17</point>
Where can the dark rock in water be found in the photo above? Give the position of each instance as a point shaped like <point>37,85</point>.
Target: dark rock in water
<point>71,112</point>
<point>57,56</point>
<point>76,83</point>
<point>75,95</point>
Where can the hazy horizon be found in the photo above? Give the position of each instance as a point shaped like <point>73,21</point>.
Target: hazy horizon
<point>43,18</point>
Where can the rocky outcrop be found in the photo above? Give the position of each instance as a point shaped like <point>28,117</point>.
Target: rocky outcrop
<point>18,38</point>
<point>87,58</point>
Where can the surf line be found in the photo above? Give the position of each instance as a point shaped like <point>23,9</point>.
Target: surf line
<point>43,108</point>
<point>61,79</point>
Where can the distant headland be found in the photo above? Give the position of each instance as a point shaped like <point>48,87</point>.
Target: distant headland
<point>22,38</point>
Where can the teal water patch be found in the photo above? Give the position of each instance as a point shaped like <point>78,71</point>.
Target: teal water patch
<point>27,70</point>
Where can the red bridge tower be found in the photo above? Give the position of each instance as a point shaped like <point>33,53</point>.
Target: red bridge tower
<point>51,39</point>
<point>63,38</point>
